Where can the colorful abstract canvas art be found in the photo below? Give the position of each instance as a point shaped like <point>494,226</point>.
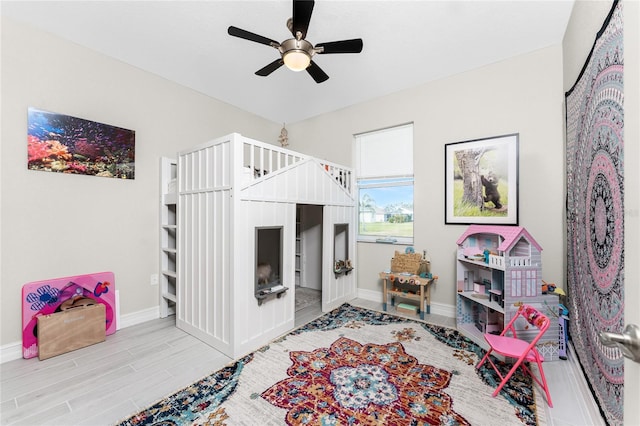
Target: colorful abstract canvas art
<point>65,144</point>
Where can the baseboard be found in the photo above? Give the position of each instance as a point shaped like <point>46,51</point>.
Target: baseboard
<point>582,387</point>
<point>372,295</point>
<point>436,308</point>
<point>10,352</point>
<point>13,351</point>
<point>443,309</point>
<point>139,317</point>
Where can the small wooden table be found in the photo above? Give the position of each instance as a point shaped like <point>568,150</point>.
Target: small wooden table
<point>412,287</point>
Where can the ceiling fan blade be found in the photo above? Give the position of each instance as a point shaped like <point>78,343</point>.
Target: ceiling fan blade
<point>239,32</point>
<point>265,71</point>
<point>316,72</point>
<point>302,10</point>
<point>342,46</point>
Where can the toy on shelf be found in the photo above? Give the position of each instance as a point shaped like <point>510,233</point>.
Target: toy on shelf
<point>407,308</point>
<point>548,287</point>
<point>342,267</point>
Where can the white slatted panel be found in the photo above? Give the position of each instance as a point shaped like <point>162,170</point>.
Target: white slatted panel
<point>204,234</point>
<point>254,325</point>
<point>336,291</point>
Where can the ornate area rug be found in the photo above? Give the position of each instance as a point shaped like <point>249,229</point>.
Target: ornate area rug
<point>595,213</point>
<point>354,366</point>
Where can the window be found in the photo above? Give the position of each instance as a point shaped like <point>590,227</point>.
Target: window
<point>268,258</point>
<point>384,173</point>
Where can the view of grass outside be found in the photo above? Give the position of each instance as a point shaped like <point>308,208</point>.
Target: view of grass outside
<point>386,208</point>
<point>386,229</point>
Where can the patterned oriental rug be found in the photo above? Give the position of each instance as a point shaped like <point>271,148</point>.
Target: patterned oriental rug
<point>358,367</point>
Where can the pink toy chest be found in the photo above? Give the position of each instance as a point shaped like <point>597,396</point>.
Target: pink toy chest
<point>46,297</point>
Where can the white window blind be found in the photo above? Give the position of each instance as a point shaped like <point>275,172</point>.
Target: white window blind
<point>385,153</point>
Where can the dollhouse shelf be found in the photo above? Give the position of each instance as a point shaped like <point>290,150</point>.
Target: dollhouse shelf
<point>499,268</point>
<point>483,301</point>
<point>473,262</point>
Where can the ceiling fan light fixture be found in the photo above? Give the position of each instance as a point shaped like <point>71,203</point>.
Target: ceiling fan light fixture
<point>296,60</point>
<point>296,53</point>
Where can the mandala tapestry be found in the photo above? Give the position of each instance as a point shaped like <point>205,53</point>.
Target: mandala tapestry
<point>595,222</point>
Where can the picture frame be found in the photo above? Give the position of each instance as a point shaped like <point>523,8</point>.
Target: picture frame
<point>481,181</point>
<point>72,145</point>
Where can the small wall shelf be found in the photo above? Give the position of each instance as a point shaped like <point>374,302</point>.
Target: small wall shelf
<point>342,271</point>
<point>267,293</point>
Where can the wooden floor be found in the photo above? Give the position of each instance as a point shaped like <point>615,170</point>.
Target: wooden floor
<point>138,365</point>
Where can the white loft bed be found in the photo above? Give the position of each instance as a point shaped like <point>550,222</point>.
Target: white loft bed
<point>228,189</point>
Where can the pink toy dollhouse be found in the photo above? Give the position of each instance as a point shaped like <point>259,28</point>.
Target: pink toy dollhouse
<point>498,269</point>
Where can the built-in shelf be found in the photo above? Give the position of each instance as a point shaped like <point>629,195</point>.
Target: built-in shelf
<point>172,274</point>
<point>298,265</point>
<point>169,296</point>
<point>170,198</point>
<point>168,276</point>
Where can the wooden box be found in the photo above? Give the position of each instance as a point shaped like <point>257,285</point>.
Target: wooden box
<point>407,308</point>
<point>69,330</point>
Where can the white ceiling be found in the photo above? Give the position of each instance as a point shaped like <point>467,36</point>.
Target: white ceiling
<point>406,43</point>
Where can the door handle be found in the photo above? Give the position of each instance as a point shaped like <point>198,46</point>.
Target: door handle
<point>628,342</point>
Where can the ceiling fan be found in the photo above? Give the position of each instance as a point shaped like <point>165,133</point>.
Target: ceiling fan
<point>296,52</point>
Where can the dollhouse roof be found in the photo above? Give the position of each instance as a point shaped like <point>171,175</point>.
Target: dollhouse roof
<point>510,235</point>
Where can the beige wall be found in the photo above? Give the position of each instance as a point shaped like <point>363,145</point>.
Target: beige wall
<point>57,225</point>
<point>523,95</point>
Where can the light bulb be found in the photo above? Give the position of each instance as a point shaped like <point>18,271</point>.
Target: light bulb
<point>296,60</point>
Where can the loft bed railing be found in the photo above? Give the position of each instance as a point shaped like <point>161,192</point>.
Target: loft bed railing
<point>260,159</point>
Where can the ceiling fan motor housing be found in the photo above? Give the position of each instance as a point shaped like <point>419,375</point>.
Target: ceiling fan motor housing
<point>296,53</point>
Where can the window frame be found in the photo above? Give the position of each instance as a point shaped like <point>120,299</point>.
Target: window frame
<point>376,182</point>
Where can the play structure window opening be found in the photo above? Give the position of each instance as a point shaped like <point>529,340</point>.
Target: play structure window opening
<point>268,257</point>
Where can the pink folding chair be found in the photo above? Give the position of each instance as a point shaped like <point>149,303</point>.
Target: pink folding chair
<point>521,350</point>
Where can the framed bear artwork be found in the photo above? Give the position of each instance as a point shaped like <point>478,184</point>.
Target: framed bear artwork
<point>481,181</point>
